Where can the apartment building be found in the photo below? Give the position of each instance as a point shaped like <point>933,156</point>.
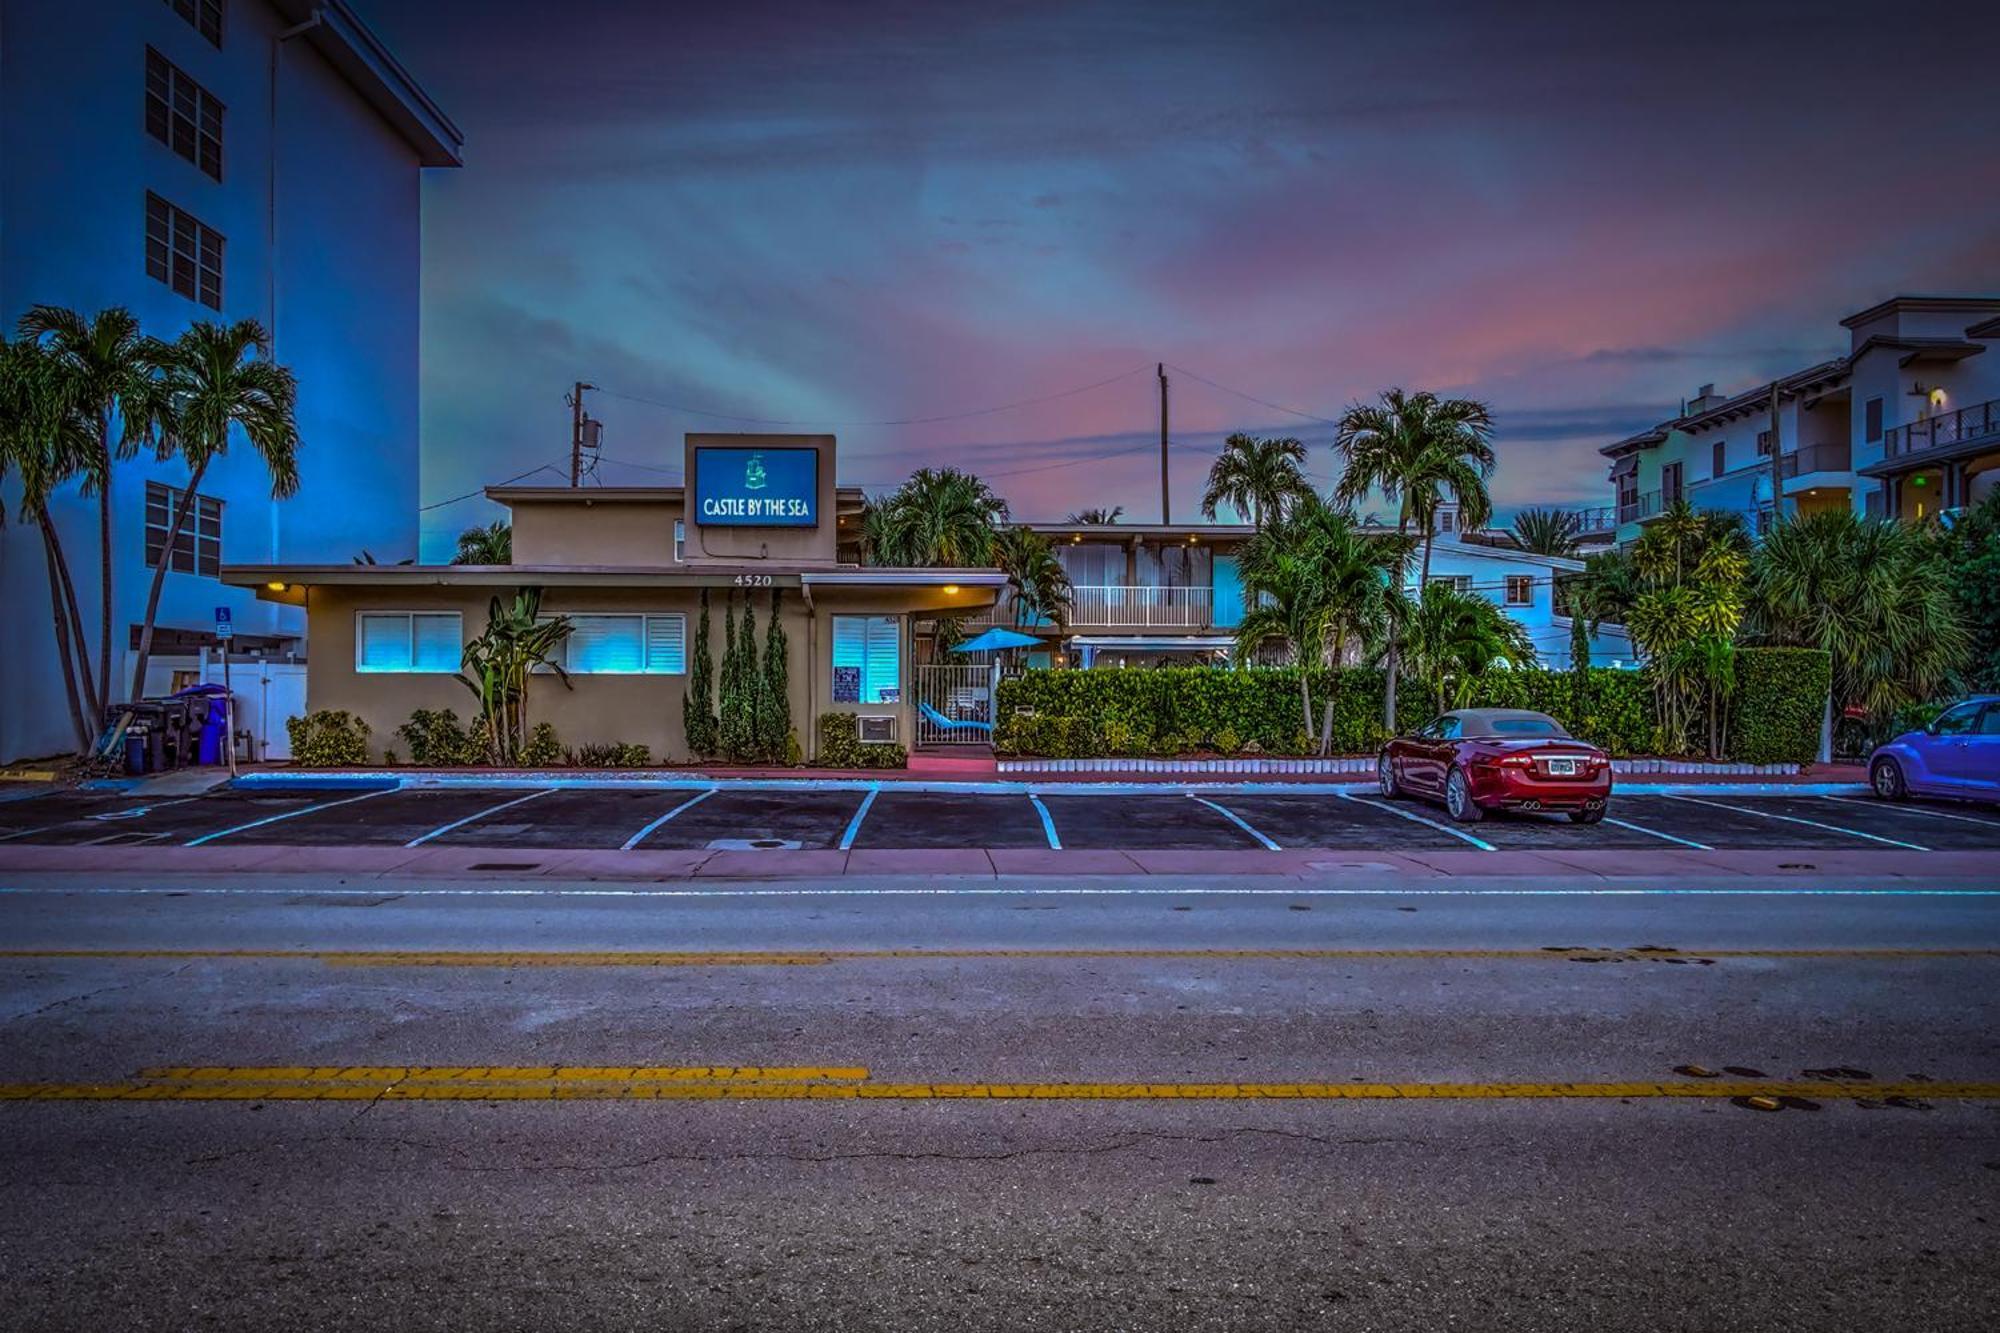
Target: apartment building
<point>1906,423</point>
<point>1147,594</point>
<point>217,160</point>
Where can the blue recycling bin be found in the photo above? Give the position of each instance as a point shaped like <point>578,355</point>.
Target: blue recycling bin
<point>214,723</point>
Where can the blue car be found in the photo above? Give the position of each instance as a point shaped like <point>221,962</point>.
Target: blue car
<point>1958,755</point>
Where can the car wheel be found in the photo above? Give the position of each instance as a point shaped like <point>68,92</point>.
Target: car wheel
<point>1458,802</point>
<point>1886,777</point>
<point>1587,816</point>
<point>1385,776</point>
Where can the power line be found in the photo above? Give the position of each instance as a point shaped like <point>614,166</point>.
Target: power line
<point>545,467</point>
<point>1251,397</point>
<point>893,421</point>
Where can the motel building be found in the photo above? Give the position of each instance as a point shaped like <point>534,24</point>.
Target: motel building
<point>628,566</point>
<point>1151,595</point>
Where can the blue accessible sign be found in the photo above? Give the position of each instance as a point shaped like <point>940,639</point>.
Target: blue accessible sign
<point>223,628</point>
<point>766,488</point>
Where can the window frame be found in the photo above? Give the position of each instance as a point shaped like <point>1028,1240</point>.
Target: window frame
<point>165,257</point>
<point>204,16</point>
<point>180,105</point>
<point>193,533</point>
<point>1527,582</point>
<point>866,699</point>
<point>1718,458</point>
<point>1872,413</point>
<point>410,615</point>
<point>645,638</point>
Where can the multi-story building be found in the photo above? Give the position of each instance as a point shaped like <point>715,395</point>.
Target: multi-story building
<point>1906,423</point>
<point>1171,595</point>
<point>216,160</point>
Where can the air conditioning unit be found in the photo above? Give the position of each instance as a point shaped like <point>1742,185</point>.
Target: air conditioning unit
<point>876,730</point>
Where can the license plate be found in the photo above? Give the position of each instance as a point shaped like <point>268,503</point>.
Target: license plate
<point>1565,768</point>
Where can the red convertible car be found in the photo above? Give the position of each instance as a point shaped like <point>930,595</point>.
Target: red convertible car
<point>1480,759</point>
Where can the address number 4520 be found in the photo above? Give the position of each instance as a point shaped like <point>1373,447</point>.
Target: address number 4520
<point>753,580</point>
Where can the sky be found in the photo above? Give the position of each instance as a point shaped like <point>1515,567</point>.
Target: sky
<point>844,216</point>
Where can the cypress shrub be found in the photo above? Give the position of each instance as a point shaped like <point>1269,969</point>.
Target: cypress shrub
<point>774,710</point>
<point>749,689</point>
<point>729,711</point>
<point>698,705</point>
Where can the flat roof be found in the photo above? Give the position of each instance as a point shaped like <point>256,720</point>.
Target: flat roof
<point>697,574</point>
<point>1881,308</point>
<point>513,495</point>
<point>1113,531</point>
<point>351,47</point>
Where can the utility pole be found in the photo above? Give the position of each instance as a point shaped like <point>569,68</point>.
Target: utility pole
<point>1166,504</point>
<point>576,420</point>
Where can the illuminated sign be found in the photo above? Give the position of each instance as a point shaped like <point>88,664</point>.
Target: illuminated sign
<point>756,488</point>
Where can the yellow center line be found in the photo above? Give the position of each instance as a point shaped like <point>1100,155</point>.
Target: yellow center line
<point>823,957</point>
<point>469,1090</point>
<point>500,1073</point>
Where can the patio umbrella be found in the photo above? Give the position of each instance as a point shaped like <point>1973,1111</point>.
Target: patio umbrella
<point>996,638</point>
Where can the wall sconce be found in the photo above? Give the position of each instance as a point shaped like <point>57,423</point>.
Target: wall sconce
<point>951,590</point>
<point>275,587</point>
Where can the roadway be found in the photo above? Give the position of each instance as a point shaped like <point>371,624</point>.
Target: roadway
<point>294,1100</point>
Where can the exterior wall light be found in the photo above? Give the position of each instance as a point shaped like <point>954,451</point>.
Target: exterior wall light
<point>951,590</point>
<point>275,587</point>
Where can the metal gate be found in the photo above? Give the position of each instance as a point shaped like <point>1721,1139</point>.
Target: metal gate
<point>955,705</point>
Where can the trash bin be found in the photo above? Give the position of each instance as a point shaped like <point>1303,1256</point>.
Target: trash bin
<point>209,705</point>
<point>145,734</point>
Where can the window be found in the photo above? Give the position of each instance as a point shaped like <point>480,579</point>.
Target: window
<point>1989,721</point>
<point>204,15</point>
<point>1871,416</point>
<point>198,549</point>
<point>1520,590</point>
<point>1957,721</point>
<point>1718,456</point>
<point>1527,726</point>
<point>182,253</point>
<point>1763,444</point>
<point>626,645</point>
<point>1447,520</point>
<point>867,660</point>
<point>181,114</point>
<point>1459,583</point>
<point>1670,483</point>
<point>426,641</point>
<point>680,541</point>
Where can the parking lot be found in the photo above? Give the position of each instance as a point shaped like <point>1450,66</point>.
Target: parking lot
<point>814,816</point>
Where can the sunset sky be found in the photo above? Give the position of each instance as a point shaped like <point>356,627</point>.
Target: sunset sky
<point>841,215</point>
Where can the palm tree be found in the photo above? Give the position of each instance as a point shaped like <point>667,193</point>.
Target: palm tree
<point>1313,581</point>
<point>491,544</point>
<point>1691,569</point>
<point>110,374</point>
<point>1547,531</point>
<point>1414,447</point>
<point>1040,584</point>
<point>1258,477</point>
<point>43,442</point>
<point>1097,517</point>
<point>1872,593</point>
<point>939,518</point>
<point>1454,638</point>
<point>219,379</point>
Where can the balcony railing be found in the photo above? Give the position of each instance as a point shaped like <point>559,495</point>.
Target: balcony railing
<point>1115,606</point>
<point>1597,518</point>
<point>1836,457</point>
<point>1964,426</point>
<point>1645,507</point>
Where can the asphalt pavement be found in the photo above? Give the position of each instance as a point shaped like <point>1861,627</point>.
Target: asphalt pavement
<point>292,1100</point>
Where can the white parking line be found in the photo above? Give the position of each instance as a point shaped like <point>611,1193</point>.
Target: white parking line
<point>1640,828</point>
<point>1913,810</point>
<point>641,835</point>
<point>1480,843</point>
<point>289,814</point>
<point>1048,822</point>
<point>1237,820</point>
<point>1795,819</point>
<point>854,824</point>
<point>130,812</point>
<point>489,810</point>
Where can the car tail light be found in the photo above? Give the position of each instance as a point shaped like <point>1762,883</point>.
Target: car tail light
<point>1517,761</point>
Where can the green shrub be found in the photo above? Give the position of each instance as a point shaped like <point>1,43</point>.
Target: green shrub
<point>616,754</point>
<point>840,746</point>
<point>328,738</point>
<point>1779,705</point>
<point>437,740</point>
<point>543,750</point>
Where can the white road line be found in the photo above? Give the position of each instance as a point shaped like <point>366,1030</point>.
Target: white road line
<point>1237,820</point>
<point>130,812</point>
<point>1640,828</point>
<point>641,835</point>
<point>489,810</point>
<point>289,814</point>
<point>854,824</point>
<point>1048,822</point>
<point>1165,891</point>
<point>1480,843</point>
<point>1913,810</point>
<point>1794,819</point>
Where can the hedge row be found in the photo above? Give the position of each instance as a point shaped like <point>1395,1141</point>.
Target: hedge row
<point>1069,714</point>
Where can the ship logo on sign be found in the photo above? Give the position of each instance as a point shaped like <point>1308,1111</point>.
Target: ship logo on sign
<point>753,473</point>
